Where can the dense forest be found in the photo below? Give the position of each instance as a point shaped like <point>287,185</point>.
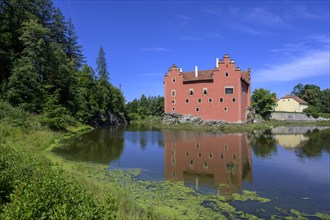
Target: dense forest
<point>43,70</point>
<point>143,107</point>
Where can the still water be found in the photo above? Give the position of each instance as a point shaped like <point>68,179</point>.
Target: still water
<point>288,165</point>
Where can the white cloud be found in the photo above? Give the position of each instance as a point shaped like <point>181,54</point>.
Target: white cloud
<point>183,20</point>
<point>156,49</point>
<point>310,64</point>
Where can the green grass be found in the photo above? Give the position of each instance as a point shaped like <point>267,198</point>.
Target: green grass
<point>226,128</point>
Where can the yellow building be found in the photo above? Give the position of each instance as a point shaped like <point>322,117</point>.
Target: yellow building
<point>291,140</point>
<point>290,103</point>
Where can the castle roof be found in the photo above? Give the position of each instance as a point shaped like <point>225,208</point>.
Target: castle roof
<point>202,75</point>
<point>299,100</point>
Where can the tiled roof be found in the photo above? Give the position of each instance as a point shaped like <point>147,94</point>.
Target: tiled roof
<point>299,100</point>
<point>202,75</point>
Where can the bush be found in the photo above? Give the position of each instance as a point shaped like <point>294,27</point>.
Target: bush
<point>32,190</point>
<point>13,116</point>
<point>55,116</point>
<point>311,111</point>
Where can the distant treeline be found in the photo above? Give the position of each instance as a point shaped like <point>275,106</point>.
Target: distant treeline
<point>42,66</point>
<point>318,100</point>
<point>140,108</point>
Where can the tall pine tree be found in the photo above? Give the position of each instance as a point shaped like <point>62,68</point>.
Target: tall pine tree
<point>102,67</point>
<point>73,49</point>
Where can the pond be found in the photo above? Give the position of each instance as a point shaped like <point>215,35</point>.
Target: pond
<point>288,165</point>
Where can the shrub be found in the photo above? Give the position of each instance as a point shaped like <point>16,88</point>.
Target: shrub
<point>311,111</point>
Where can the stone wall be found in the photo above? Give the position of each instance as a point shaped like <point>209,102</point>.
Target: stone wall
<point>293,116</point>
<point>175,118</point>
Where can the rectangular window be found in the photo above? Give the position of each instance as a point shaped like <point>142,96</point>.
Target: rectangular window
<point>229,90</point>
<point>197,109</point>
<point>221,99</point>
<point>173,101</point>
<point>227,74</point>
<point>234,100</point>
<point>199,100</point>
<point>210,100</point>
<point>191,92</point>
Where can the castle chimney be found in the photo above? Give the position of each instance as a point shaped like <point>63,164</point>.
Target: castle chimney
<point>196,71</point>
<point>217,62</point>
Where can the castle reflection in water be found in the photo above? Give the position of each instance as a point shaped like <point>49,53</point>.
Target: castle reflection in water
<point>201,158</point>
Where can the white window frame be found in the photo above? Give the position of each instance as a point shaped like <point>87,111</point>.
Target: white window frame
<point>173,93</point>
<point>205,89</point>
<point>229,87</point>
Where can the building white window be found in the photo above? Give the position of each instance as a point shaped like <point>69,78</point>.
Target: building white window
<point>187,100</point>
<point>199,100</point>
<point>205,91</point>
<point>173,79</point>
<point>173,101</point>
<point>229,90</point>
<point>191,91</point>
<point>225,109</point>
<point>226,74</point>
<point>234,100</point>
<point>173,93</point>
<point>197,109</point>
<point>221,99</point>
<point>210,100</point>
<point>206,165</point>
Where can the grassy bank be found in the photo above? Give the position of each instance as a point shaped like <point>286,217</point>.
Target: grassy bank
<point>37,184</point>
<point>227,128</point>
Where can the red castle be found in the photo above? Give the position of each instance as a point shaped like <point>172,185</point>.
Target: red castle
<point>222,93</point>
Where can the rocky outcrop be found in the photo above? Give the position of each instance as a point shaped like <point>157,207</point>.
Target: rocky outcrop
<point>109,119</point>
<point>175,118</point>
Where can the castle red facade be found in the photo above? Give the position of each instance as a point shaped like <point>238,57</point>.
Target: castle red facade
<point>222,93</point>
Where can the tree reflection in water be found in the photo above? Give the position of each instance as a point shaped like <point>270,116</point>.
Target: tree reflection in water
<point>318,141</point>
<point>100,145</point>
<point>263,144</point>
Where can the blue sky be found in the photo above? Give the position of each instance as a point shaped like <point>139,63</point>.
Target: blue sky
<point>284,42</point>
